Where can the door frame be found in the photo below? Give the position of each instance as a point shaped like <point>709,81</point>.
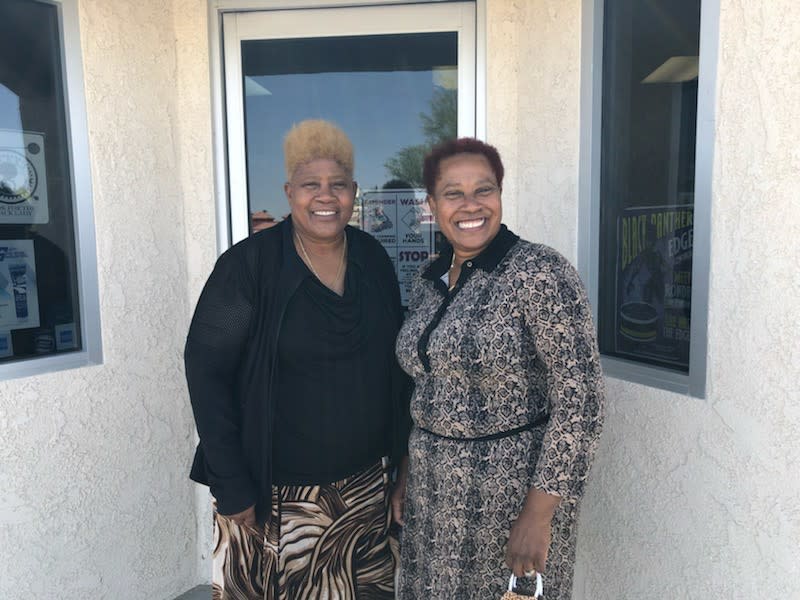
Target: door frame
<point>227,196</point>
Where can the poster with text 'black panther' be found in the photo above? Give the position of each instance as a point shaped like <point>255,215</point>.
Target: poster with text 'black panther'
<point>654,284</point>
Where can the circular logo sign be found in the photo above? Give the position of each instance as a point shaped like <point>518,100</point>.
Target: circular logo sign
<point>18,178</point>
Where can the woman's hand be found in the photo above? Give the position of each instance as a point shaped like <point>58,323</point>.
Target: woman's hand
<point>399,492</point>
<point>245,518</point>
<point>529,540</point>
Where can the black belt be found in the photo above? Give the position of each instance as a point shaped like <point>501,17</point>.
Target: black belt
<point>492,436</point>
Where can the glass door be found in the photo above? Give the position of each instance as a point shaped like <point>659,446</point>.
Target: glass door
<point>397,79</point>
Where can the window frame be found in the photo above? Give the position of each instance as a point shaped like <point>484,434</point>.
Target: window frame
<point>695,382</point>
<point>91,352</point>
<point>216,11</point>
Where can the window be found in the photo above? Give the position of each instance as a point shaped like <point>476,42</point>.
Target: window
<point>396,78</point>
<point>645,180</point>
<point>43,301</point>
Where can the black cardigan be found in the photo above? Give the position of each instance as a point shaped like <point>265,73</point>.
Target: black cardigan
<point>230,357</point>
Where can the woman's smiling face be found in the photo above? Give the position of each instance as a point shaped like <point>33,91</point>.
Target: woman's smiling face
<point>321,196</point>
<point>467,203</point>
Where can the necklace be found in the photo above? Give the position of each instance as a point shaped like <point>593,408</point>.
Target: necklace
<point>311,265</point>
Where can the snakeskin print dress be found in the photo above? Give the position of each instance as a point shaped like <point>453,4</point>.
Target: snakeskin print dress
<point>512,345</point>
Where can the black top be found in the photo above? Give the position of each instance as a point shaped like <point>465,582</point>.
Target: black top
<point>231,357</point>
<point>331,417</point>
<point>487,260</point>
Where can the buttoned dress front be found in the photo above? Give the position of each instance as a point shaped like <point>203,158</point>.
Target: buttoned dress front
<point>512,345</point>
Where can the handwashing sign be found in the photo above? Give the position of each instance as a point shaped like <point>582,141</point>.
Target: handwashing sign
<point>23,178</point>
<point>401,221</point>
<point>19,298</point>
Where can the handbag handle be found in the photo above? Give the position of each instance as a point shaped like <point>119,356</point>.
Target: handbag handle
<point>512,583</point>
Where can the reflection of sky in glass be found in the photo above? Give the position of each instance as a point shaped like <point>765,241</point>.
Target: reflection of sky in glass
<point>379,111</point>
<point>9,110</point>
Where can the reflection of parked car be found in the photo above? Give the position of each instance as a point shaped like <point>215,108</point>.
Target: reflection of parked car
<point>379,221</point>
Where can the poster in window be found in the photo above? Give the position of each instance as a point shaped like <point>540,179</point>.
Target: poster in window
<point>19,297</point>
<point>402,222</point>
<point>23,178</point>
<point>6,344</point>
<point>654,284</point>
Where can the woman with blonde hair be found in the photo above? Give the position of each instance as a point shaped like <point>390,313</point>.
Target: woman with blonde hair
<point>299,403</point>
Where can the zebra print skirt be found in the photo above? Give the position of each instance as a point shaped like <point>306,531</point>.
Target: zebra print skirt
<point>322,542</point>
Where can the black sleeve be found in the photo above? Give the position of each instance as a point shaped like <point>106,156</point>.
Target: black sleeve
<point>402,384</point>
<point>403,387</point>
<point>214,346</point>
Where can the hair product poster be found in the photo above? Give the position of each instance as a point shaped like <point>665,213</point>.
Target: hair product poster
<point>19,298</point>
<point>654,283</point>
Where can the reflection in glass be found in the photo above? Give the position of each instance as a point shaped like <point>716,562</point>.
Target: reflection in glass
<point>394,95</point>
<point>39,311</point>
<point>649,115</point>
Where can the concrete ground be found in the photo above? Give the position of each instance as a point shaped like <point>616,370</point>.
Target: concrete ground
<point>201,592</point>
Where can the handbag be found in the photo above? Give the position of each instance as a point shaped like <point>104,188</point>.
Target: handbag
<point>512,595</point>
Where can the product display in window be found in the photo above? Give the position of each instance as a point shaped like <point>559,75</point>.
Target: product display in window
<point>39,304</point>
<point>650,82</point>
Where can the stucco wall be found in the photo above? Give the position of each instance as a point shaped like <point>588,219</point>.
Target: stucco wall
<point>708,490</point>
<point>197,185</point>
<point>688,498</point>
<point>533,105</point>
<point>95,500</point>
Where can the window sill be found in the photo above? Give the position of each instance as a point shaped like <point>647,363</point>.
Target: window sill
<point>656,377</point>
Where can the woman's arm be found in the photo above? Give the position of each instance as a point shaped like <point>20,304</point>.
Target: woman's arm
<point>566,343</point>
<point>217,336</point>
<point>529,540</point>
<point>401,384</point>
<point>402,387</point>
<point>399,492</point>
<point>564,336</point>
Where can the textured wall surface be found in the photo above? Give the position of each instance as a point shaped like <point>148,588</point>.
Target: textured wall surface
<point>705,494</point>
<point>93,461</point>
<point>197,184</point>
<point>688,498</point>
<point>533,89</point>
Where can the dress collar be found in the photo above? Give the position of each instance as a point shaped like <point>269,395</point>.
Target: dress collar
<point>486,260</point>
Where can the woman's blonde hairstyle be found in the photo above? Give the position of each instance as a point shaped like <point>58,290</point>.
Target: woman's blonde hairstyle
<point>315,138</point>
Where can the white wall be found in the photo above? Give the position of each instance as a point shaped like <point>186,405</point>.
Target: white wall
<point>95,499</point>
<point>197,183</point>
<point>533,103</point>
<point>688,498</point>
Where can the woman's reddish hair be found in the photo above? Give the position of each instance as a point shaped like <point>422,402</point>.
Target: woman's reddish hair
<point>464,145</point>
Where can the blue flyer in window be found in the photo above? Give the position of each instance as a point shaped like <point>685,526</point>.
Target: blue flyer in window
<point>19,297</point>
<point>23,178</point>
